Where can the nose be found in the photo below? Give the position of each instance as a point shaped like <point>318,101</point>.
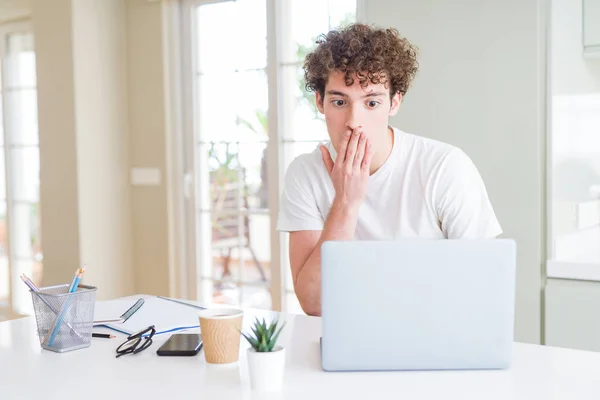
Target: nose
<point>353,118</point>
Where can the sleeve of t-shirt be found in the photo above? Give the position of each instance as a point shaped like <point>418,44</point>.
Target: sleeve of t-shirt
<point>463,206</point>
<point>298,210</point>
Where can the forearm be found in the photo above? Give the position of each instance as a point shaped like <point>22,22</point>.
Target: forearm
<point>340,225</point>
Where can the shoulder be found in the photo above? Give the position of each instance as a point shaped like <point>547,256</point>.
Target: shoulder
<point>425,148</point>
<point>439,164</point>
<point>429,155</point>
<point>306,168</point>
<point>307,162</point>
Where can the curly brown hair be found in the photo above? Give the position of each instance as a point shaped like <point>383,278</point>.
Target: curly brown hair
<point>374,55</point>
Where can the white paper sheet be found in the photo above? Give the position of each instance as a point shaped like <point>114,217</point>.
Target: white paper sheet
<point>165,315</point>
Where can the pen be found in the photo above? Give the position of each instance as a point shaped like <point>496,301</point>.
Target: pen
<point>127,314</point>
<point>103,335</point>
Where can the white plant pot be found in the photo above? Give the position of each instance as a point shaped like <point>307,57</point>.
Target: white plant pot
<point>266,369</point>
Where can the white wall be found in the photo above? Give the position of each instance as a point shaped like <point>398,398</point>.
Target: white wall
<point>481,87</point>
<point>84,160</point>
<point>148,127</point>
<point>99,54</point>
<point>52,29</point>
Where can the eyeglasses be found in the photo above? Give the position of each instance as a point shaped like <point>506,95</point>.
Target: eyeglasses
<point>137,342</point>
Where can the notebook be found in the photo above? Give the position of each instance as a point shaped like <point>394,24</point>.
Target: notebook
<point>165,315</point>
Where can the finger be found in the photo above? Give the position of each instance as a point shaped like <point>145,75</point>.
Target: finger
<point>351,151</point>
<point>366,164</point>
<point>360,151</point>
<point>326,159</point>
<point>343,147</point>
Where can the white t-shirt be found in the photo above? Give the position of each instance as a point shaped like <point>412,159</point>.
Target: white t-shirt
<point>425,189</point>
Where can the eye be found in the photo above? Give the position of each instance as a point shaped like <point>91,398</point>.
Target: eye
<point>338,103</point>
<point>373,104</point>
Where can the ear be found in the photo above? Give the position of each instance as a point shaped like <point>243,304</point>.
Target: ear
<point>319,101</point>
<point>396,100</point>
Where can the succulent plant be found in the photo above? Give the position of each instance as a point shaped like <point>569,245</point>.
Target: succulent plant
<point>264,337</point>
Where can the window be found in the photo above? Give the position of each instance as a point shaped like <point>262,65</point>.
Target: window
<point>573,173</point>
<point>250,115</point>
<point>576,178</point>
<point>20,240</point>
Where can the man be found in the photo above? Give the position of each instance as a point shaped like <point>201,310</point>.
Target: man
<point>372,181</point>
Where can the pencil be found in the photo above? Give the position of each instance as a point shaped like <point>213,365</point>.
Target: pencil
<point>32,285</point>
<point>72,288</point>
<point>103,335</point>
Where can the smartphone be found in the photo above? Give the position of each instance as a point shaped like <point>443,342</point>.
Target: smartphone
<point>181,344</point>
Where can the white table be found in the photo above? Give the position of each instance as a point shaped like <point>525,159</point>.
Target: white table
<point>27,371</point>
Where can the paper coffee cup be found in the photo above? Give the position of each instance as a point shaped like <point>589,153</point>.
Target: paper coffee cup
<point>220,329</point>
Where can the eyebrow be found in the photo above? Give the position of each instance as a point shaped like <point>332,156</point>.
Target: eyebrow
<point>342,94</point>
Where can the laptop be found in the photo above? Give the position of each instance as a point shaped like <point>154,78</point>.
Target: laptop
<point>417,304</point>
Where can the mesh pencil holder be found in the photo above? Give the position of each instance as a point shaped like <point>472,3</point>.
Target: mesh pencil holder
<point>64,320</point>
